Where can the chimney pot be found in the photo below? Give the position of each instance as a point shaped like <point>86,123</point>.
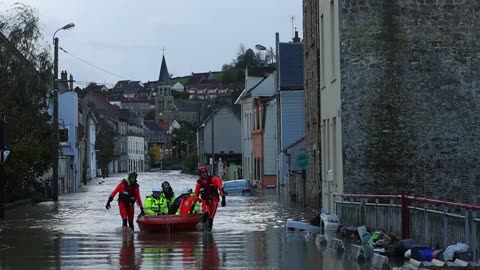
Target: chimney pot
<point>296,38</point>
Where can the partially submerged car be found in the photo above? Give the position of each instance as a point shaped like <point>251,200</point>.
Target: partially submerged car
<point>238,187</point>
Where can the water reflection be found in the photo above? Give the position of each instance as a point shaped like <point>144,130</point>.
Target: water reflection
<point>179,251</point>
<point>129,258</point>
<point>78,233</point>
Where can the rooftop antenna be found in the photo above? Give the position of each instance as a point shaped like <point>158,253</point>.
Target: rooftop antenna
<point>293,26</point>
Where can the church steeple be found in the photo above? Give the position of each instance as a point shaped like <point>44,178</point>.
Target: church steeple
<point>164,77</point>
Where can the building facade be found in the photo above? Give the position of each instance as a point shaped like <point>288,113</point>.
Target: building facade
<point>312,102</point>
<point>256,101</point>
<point>398,88</point>
<point>226,140</point>
<point>247,115</point>
<point>136,148</point>
<point>290,102</point>
<point>69,159</point>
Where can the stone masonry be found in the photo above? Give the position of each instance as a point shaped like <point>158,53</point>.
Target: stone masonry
<point>312,101</point>
<point>410,91</point>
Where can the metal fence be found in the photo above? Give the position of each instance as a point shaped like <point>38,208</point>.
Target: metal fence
<point>437,223</point>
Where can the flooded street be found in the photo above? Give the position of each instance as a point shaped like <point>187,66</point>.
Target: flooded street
<point>78,232</point>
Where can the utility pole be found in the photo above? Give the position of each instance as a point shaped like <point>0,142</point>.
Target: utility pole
<point>55,123</point>
<point>55,113</point>
<point>86,166</point>
<point>2,164</point>
<point>213,135</point>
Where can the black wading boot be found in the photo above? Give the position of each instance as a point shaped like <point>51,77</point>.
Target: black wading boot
<point>130,224</point>
<point>210,224</point>
<point>205,220</point>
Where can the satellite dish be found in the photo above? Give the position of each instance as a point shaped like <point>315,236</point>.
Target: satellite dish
<point>260,47</point>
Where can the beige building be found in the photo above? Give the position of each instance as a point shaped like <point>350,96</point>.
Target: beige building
<point>330,106</point>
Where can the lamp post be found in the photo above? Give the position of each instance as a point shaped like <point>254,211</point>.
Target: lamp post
<point>268,53</point>
<point>55,112</point>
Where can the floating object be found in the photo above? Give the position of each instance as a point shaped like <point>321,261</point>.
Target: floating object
<point>302,226</point>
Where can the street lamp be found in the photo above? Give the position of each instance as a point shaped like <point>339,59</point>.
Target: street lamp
<point>268,53</point>
<point>55,112</point>
<point>260,47</point>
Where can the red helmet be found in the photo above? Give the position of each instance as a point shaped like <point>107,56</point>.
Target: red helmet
<point>202,169</point>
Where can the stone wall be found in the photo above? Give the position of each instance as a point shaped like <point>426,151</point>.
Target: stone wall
<point>312,101</point>
<point>410,78</point>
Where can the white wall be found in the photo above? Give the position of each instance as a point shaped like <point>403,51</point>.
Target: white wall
<point>330,107</point>
<point>92,155</point>
<point>136,153</point>
<point>247,145</point>
<point>270,140</point>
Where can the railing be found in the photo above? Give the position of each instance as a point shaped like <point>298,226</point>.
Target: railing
<point>435,222</point>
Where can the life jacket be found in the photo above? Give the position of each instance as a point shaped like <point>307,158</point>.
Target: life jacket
<point>187,205</point>
<point>127,195</point>
<point>207,189</point>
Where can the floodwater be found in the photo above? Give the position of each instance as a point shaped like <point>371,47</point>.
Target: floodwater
<point>78,232</point>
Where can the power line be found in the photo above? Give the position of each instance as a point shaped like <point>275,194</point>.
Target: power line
<point>92,65</point>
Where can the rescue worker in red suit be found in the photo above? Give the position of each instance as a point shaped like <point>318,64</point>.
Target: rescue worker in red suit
<point>209,189</point>
<point>128,193</point>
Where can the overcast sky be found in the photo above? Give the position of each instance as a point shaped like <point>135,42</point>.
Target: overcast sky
<point>126,37</point>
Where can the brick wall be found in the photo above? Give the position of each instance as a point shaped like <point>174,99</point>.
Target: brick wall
<point>410,78</point>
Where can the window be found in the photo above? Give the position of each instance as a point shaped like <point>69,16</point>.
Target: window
<point>63,135</point>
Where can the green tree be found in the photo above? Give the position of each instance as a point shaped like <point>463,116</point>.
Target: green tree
<point>155,154</point>
<point>234,72</point>
<point>105,143</point>
<point>183,139</point>
<point>180,95</point>
<point>191,162</point>
<point>25,77</point>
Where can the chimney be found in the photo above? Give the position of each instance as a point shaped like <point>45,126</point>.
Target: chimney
<point>63,76</point>
<point>296,39</point>
<point>71,82</point>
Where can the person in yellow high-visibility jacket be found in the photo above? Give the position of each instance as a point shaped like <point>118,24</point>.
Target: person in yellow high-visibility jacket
<point>167,198</point>
<point>152,205</point>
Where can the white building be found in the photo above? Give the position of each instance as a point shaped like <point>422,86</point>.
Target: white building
<point>90,138</point>
<point>135,148</point>
<point>178,87</point>
<point>253,77</point>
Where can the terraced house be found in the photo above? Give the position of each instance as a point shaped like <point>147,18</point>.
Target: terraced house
<point>396,84</point>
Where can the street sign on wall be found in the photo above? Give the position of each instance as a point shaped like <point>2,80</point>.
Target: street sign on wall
<point>302,161</point>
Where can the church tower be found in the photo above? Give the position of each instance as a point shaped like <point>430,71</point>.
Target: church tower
<point>164,98</point>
